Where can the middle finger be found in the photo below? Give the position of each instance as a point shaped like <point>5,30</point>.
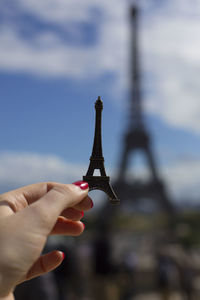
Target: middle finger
<point>73,214</point>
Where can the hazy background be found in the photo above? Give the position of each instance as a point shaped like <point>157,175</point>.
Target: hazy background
<point>56,57</point>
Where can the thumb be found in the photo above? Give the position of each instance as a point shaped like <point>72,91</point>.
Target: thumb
<point>43,214</point>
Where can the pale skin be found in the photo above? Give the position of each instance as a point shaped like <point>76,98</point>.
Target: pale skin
<point>28,216</point>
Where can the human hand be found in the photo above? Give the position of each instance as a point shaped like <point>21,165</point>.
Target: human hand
<point>28,216</point>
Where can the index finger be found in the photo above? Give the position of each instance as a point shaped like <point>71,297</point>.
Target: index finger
<point>20,198</point>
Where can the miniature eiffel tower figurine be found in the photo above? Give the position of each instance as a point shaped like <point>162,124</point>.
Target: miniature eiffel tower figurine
<point>97,161</point>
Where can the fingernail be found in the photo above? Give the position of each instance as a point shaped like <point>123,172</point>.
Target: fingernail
<point>82,213</point>
<point>92,204</point>
<point>82,184</point>
<point>63,255</point>
<point>83,226</point>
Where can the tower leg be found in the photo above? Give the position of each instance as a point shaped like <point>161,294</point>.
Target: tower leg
<point>151,163</point>
<point>124,164</point>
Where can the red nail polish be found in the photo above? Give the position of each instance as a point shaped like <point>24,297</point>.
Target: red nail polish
<point>63,255</point>
<point>82,214</point>
<point>83,226</point>
<point>82,184</point>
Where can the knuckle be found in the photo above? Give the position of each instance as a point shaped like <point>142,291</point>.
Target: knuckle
<point>69,190</point>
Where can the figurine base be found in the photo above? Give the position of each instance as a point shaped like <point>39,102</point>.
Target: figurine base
<point>102,183</point>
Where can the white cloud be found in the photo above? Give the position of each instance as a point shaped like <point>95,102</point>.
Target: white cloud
<point>48,55</point>
<point>171,51</point>
<point>18,169</point>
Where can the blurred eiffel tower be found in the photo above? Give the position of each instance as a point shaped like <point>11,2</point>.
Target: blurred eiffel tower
<point>138,138</point>
<point>133,192</point>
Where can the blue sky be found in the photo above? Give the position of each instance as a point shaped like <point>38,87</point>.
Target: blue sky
<point>56,57</point>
